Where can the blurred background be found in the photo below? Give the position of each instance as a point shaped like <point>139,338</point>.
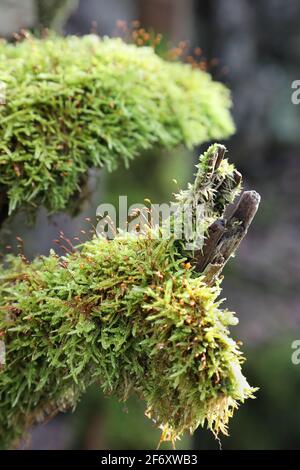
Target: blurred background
<point>253,47</point>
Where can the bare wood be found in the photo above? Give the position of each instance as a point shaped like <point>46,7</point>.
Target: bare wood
<point>246,208</point>
<point>220,156</point>
<point>238,224</point>
<point>236,228</point>
<point>216,189</point>
<point>204,256</point>
<point>212,166</point>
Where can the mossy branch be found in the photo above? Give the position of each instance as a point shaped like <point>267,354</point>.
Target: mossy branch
<point>224,234</point>
<point>75,103</point>
<point>131,314</point>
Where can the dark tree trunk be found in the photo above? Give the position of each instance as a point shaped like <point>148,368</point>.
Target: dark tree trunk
<point>3,207</point>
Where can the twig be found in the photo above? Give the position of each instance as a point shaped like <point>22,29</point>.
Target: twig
<point>236,228</point>
<point>215,232</point>
<point>224,234</point>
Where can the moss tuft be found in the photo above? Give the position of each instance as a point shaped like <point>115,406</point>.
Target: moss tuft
<point>73,103</point>
<point>131,314</point>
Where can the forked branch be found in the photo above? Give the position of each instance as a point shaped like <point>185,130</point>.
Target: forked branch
<point>225,234</point>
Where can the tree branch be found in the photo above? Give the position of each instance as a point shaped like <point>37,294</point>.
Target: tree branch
<point>226,233</point>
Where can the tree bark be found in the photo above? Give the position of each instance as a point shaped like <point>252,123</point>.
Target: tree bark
<point>235,229</point>
<point>226,233</point>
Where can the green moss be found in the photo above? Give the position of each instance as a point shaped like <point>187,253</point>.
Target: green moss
<point>130,314</point>
<point>73,103</point>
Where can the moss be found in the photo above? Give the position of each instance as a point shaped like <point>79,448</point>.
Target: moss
<point>73,103</point>
<point>130,314</point>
